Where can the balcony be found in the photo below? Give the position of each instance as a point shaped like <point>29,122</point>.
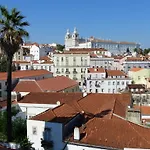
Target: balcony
<point>97,85</point>
<point>58,72</point>
<point>75,72</point>
<point>74,78</point>
<point>67,72</point>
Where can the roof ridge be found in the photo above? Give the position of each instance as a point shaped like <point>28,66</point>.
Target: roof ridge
<point>112,112</point>
<point>38,86</point>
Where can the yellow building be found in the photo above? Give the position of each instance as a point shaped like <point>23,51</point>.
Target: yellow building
<point>139,75</point>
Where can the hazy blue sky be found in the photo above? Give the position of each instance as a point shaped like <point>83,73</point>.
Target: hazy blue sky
<point>127,20</point>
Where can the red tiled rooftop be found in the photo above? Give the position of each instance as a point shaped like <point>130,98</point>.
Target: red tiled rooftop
<point>145,110</point>
<point>96,70</point>
<point>24,73</point>
<point>135,69</point>
<point>115,73</point>
<point>60,114</point>
<point>114,133</point>
<point>50,98</point>
<point>27,86</point>
<point>55,84</point>
<point>137,59</point>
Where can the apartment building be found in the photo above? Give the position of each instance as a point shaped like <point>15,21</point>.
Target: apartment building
<point>72,64</point>
<point>136,62</point>
<point>99,80</point>
<point>44,63</point>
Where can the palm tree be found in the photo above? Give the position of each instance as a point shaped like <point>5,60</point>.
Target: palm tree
<point>11,38</point>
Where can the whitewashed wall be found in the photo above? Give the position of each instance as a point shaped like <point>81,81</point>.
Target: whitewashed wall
<point>56,133</point>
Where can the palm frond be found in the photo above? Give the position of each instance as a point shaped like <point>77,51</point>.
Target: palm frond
<point>4,12</point>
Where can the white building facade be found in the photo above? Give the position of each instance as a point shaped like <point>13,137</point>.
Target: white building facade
<point>99,80</point>
<point>129,63</point>
<point>39,51</point>
<point>72,65</point>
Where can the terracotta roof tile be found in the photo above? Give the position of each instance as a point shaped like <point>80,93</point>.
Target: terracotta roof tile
<point>50,98</point>
<point>114,133</point>
<point>27,86</point>
<point>96,70</point>
<point>24,73</point>
<point>145,110</point>
<point>56,84</point>
<point>60,114</point>
<point>115,73</point>
<point>135,69</point>
<point>137,59</point>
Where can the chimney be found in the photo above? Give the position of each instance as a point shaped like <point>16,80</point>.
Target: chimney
<point>84,94</point>
<point>76,133</point>
<point>58,102</point>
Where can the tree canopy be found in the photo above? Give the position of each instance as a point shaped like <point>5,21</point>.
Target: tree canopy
<point>60,47</point>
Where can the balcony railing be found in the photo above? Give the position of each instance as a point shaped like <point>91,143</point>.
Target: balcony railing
<point>75,72</point>
<point>58,72</point>
<point>97,85</point>
<point>67,72</point>
<point>74,78</point>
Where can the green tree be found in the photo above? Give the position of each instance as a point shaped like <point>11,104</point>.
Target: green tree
<point>11,37</point>
<point>60,47</point>
<point>146,51</point>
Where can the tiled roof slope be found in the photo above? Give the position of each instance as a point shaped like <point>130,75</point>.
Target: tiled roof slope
<point>24,73</point>
<point>50,98</point>
<point>55,84</point>
<point>99,105</point>
<point>114,133</point>
<point>60,114</point>
<point>115,73</point>
<point>27,86</point>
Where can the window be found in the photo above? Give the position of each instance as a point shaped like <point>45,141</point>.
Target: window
<point>118,83</point>
<point>96,90</point>
<point>113,82</point>
<point>139,78</point>
<point>62,70</point>
<point>47,134</point>
<point>113,90</point>
<point>62,59</point>
<point>102,90</point>
<point>90,90</point>
<point>0,93</point>
<point>122,82</point>
<point>0,85</point>
<point>108,82</point>
<point>74,59</point>
<point>108,90</point>
<point>34,130</point>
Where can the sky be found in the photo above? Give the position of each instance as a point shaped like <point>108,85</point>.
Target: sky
<point>119,20</point>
